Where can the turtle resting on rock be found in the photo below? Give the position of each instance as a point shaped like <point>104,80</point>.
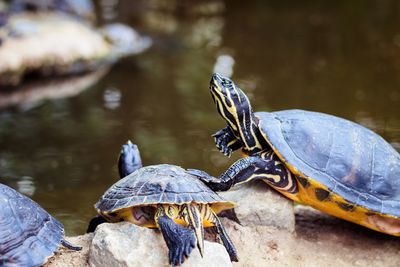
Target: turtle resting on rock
<point>166,197</point>
<point>329,163</point>
<point>55,43</point>
<point>28,234</point>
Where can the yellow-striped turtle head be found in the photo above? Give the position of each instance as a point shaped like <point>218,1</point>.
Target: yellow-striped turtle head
<point>234,106</point>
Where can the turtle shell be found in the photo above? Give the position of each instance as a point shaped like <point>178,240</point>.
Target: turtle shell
<point>159,184</point>
<point>347,158</point>
<point>28,234</point>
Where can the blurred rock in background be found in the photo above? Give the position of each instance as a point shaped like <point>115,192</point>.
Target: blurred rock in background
<point>57,38</point>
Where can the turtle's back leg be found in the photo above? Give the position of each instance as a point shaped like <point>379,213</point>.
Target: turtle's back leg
<point>222,234</point>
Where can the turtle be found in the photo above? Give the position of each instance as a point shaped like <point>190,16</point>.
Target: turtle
<point>29,235</point>
<point>49,43</point>
<point>332,164</point>
<point>129,160</point>
<point>166,197</point>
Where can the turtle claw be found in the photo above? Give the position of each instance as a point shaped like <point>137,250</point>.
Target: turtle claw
<point>223,140</point>
<point>183,246</point>
<point>218,143</point>
<point>227,152</point>
<point>222,145</point>
<point>180,240</point>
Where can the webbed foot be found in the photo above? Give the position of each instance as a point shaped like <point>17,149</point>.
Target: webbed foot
<point>226,141</point>
<point>180,240</point>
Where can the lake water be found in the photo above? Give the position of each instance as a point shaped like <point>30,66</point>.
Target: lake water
<point>341,57</point>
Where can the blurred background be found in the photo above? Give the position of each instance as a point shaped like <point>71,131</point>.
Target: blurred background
<point>337,57</point>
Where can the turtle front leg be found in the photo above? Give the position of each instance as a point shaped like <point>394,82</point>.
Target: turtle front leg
<point>262,165</point>
<point>180,240</point>
<point>216,184</point>
<point>222,234</point>
<point>239,172</point>
<point>226,141</point>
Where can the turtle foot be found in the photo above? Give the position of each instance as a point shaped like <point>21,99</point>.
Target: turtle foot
<point>222,139</point>
<point>180,240</point>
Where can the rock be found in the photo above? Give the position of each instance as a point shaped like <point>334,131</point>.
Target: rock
<point>336,243</point>
<point>262,245</point>
<point>68,258</point>
<point>321,240</point>
<point>45,43</point>
<point>260,205</point>
<point>124,244</point>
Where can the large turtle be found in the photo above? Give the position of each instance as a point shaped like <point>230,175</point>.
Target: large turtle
<point>329,163</point>
<point>166,197</point>
<point>56,43</point>
<point>28,234</point>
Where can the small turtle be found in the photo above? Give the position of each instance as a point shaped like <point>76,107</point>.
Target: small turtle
<point>28,234</point>
<point>166,197</point>
<point>329,163</point>
<point>129,160</point>
<point>55,43</point>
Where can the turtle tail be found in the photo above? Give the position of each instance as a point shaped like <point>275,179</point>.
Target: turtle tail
<point>68,245</point>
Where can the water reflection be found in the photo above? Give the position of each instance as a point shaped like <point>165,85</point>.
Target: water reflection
<point>224,65</point>
<point>109,9</point>
<point>33,93</point>
<point>26,185</point>
<point>340,58</point>
<point>112,98</point>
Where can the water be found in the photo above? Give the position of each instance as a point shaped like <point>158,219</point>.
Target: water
<point>340,57</point>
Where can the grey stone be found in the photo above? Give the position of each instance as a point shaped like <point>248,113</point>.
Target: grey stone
<point>127,245</point>
<point>260,205</point>
<point>321,240</point>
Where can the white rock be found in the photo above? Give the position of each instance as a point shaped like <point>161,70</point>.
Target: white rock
<point>260,205</point>
<point>126,245</point>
